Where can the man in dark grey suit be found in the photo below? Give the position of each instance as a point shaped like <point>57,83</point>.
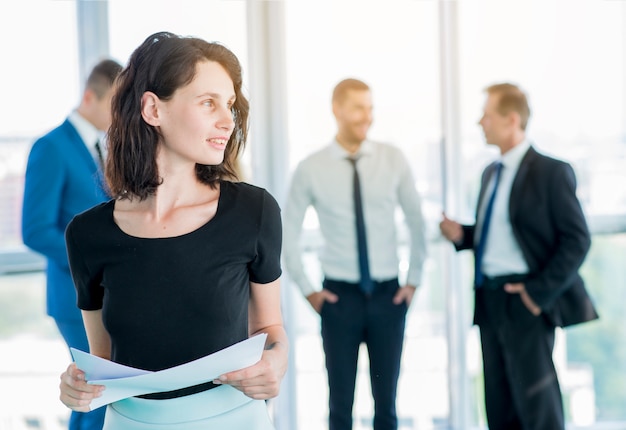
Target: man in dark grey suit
<point>529,241</point>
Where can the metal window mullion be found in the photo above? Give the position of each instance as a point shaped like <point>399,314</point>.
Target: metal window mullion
<point>92,25</point>
<point>269,146</point>
<point>456,297</point>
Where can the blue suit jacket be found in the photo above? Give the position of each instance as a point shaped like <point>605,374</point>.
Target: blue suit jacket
<point>62,180</point>
<point>550,228</point>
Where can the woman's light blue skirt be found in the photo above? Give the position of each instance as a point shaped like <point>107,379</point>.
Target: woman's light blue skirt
<point>221,408</point>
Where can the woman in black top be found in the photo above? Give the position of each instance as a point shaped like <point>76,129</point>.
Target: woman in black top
<point>182,262</point>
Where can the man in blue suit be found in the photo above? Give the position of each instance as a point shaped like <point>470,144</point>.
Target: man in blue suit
<point>529,241</point>
<point>63,178</point>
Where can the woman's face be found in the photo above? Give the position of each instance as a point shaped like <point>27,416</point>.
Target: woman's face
<point>196,123</point>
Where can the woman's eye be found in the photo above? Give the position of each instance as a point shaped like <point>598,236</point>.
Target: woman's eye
<point>208,103</point>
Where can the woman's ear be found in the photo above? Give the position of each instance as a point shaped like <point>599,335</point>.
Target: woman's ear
<point>149,108</point>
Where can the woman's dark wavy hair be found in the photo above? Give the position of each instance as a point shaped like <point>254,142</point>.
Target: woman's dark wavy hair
<point>163,63</point>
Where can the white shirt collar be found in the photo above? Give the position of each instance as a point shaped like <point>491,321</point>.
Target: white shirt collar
<point>512,159</point>
<point>85,129</point>
<point>338,151</point>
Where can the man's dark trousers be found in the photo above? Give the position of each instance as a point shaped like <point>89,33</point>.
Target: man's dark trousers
<point>354,319</point>
<point>521,386</point>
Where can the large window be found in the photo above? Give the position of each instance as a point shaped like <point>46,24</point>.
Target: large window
<point>38,86</point>
<point>393,46</point>
<point>596,352</point>
<point>570,58</point>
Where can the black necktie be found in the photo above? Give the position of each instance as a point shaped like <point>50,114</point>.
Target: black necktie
<point>366,284</point>
<point>100,157</point>
<point>480,246</point>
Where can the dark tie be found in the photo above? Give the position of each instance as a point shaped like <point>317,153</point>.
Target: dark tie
<point>100,157</point>
<point>480,247</point>
<point>366,284</point>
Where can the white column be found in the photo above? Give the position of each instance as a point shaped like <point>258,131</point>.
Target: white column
<point>269,150</point>
<point>456,296</point>
<point>92,35</point>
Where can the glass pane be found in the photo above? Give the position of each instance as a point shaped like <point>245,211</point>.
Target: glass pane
<point>573,72</point>
<point>212,20</point>
<point>392,46</point>
<point>596,352</point>
<point>39,86</point>
<point>27,335</point>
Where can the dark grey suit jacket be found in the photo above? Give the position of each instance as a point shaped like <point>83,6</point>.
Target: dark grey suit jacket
<point>550,228</point>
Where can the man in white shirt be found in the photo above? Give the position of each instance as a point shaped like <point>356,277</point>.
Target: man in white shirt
<point>63,178</point>
<point>361,299</point>
<point>529,241</point>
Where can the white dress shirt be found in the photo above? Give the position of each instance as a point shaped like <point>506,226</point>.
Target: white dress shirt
<point>324,181</point>
<point>503,255</point>
<point>89,134</point>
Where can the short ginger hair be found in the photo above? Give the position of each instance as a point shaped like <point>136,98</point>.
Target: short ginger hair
<point>511,99</point>
<point>342,88</point>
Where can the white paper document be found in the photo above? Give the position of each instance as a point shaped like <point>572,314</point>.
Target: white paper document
<point>123,381</point>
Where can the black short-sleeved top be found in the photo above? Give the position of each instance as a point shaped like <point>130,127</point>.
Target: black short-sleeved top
<point>168,301</point>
